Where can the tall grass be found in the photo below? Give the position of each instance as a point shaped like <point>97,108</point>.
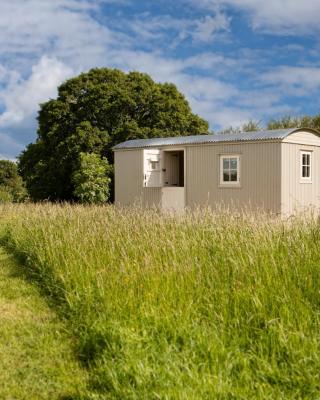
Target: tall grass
<point>199,306</point>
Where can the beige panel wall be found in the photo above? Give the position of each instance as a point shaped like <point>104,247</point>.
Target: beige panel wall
<point>173,198</point>
<point>303,137</point>
<point>297,196</point>
<point>128,176</point>
<point>151,197</point>
<point>129,188</point>
<point>260,185</point>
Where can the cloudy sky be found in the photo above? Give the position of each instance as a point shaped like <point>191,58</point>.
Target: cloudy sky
<point>235,60</point>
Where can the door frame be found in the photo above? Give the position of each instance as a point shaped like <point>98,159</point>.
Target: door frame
<point>174,148</point>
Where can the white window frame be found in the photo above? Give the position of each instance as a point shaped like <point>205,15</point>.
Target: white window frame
<point>230,183</point>
<point>305,179</point>
<point>152,177</point>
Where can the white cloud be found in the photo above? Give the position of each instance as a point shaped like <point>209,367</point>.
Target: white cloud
<point>274,16</point>
<point>64,28</point>
<point>164,68</point>
<point>21,98</point>
<point>3,73</point>
<point>214,62</point>
<point>204,29</point>
<point>208,97</point>
<point>205,89</point>
<point>297,81</point>
<point>209,26</point>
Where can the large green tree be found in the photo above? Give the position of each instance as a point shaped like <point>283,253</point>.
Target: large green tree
<point>92,113</point>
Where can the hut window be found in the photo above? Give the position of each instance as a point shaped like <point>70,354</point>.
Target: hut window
<point>306,166</point>
<point>152,175</point>
<point>154,165</point>
<point>229,169</point>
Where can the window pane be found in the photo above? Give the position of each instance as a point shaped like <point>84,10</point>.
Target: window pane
<point>234,176</point>
<point>226,163</point>
<point>304,172</point>
<point>226,176</point>
<point>154,164</point>
<point>233,163</point>
<point>308,172</point>
<point>308,159</point>
<point>304,159</point>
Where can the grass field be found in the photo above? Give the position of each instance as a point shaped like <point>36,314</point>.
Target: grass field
<point>198,306</point>
<point>36,357</point>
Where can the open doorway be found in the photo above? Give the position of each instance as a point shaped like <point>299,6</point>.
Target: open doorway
<point>173,168</point>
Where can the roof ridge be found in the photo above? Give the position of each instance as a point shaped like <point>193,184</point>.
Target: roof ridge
<point>262,135</point>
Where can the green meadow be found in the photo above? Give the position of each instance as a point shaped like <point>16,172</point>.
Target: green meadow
<point>194,306</point>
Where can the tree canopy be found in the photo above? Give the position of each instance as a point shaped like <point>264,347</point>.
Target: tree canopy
<point>12,188</point>
<point>92,113</point>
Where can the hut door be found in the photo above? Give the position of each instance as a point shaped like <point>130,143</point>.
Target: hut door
<point>152,174</point>
<point>173,168</point>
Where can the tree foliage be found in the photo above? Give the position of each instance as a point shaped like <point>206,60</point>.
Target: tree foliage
<point>12,188</point>
<point>91,181</point>
<point>285,122</point>
<point>92,113</point>
<point>288,121</point>
<point>249,126</point>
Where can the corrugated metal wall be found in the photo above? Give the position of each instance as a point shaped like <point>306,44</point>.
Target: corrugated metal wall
<point>128,176</point>
<point>151,197</point>
<point>297,195</point>
<point>129,188</point>
<point>260,179</point>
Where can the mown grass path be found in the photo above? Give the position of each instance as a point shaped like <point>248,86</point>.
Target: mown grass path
<point>36,357</point>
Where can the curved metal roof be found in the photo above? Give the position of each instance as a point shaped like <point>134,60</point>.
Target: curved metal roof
<point>278,135</point>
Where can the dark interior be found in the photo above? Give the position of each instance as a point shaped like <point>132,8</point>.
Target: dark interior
<point>181,168</point>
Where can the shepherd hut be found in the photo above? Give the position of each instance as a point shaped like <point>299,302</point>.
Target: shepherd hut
<point>276,171</point>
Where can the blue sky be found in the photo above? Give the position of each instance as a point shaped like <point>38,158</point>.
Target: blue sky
<point>235,60</point>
